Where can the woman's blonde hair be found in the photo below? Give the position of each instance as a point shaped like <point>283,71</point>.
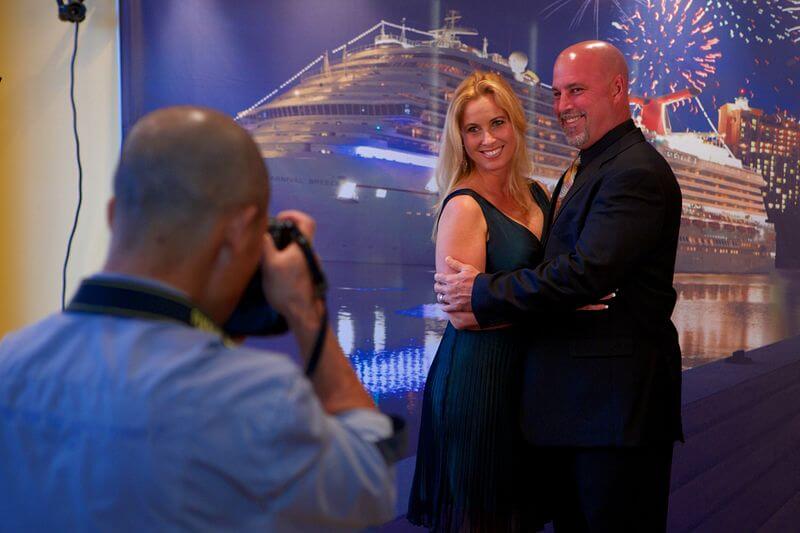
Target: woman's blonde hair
<point>454,165</point>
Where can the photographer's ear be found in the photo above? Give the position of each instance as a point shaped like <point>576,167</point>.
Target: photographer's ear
<point>110,211</point>
<point>241,227</point>
<point>269,245</point>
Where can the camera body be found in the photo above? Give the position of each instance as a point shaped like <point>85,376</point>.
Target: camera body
<point>253,314</point>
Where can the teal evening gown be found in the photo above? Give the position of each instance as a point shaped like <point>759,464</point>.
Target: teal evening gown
<point>474,471</point>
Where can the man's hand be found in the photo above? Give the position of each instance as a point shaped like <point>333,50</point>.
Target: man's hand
<point>286,279</point>
<point>463,320</point>
<point>454,291</point>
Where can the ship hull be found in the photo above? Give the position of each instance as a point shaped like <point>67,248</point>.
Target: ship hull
<point>382,225</point>
<point>396,228</point>
<point>714,263</point>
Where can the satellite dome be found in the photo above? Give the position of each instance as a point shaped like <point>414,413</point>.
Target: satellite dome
<point>518,61</point>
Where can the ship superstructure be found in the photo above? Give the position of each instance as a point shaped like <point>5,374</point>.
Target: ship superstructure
<point>353,139</point>
<point>723,225</point>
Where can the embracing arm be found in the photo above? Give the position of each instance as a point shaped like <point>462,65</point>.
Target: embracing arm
<point>462,233</point>
<point>623,225</point>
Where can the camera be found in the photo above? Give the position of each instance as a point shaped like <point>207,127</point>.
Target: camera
<point>253,314</point>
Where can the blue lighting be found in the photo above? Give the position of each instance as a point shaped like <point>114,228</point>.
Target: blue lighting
<point>420,160</point>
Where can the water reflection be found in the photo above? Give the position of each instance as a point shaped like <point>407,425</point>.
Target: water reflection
<point>389,327</point>
<point>392,305</point>
<point>345,330</point>
<point>379,333</point>
<point>718,314</point>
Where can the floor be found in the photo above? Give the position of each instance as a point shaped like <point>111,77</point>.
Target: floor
<point>739,469</point>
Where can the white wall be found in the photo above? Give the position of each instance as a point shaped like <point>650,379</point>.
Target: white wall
<point>38,172</point>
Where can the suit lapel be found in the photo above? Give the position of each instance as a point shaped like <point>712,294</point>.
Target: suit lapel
<point>586,173</point>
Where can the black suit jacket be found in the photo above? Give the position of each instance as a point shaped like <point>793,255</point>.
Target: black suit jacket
<point>600,378</point>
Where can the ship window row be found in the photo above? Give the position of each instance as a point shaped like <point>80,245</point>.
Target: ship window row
<point>758,253</point>
<point>418,62</point>
<point>442,67</point>
<point>721,241</point>
<point>715,185</point>
<point>731,182</point>
<point>377,109</point>
<point>383,57</point>
<point>340,109</point>
<point>721,199</point>
<point>717,192</point>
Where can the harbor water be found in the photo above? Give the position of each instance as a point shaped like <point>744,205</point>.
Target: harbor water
<point>389,327</point>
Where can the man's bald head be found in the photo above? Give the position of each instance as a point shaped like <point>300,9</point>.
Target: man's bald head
<point>601,55</point>
<point>180,169</point>
<point>590,91</point>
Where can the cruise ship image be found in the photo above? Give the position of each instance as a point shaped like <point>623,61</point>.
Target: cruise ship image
<point>352,139</point>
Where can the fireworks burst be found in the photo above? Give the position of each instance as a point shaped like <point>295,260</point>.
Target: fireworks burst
<point>671,46</point>
<point>756,21</point>
<point>793,8</point>
<point>583,6</point>
<point>763,25</point>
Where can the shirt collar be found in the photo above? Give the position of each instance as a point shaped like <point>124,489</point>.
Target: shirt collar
<point>148,282</point>
<point>612,136</point>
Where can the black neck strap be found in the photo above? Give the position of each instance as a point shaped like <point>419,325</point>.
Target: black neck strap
<point>129,299</point>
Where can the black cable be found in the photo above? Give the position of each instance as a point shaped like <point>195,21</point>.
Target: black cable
<point>80,167</point>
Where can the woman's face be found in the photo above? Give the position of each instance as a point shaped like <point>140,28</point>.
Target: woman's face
<point>488,135</point>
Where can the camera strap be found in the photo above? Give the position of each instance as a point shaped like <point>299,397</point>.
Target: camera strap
<point>129,299</point>
<point>320,285</point>
<point>316,352</point>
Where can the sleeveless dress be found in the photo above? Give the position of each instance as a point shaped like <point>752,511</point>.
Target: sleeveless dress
<point>474,472</point>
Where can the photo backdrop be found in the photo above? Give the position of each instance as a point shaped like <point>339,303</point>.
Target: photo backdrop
<point>346,99</point>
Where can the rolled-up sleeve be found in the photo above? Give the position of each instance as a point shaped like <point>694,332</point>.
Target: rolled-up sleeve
<point>300,468</point>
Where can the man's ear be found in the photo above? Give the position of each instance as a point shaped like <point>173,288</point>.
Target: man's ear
<point>110,207</point>
<point>618,86</point>
<point>239,227</point>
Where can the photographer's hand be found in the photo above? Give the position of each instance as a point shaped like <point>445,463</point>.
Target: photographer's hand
<point>288,288</point>
<point>286,282</point>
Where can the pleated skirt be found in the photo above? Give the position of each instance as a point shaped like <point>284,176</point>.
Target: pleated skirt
<point>474,472</point>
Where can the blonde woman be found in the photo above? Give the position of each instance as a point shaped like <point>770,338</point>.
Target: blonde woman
<point>473,468</point>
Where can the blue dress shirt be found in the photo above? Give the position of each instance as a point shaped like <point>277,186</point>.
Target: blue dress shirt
<point>124,424</point>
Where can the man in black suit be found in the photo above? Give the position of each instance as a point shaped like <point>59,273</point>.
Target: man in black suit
<point>601,401</point>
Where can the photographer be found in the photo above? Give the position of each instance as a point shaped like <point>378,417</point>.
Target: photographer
<point>133,411</point>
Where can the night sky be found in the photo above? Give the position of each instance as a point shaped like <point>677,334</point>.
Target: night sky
<point>227,54</point>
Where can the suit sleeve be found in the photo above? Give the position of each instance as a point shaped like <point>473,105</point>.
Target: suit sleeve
<point>623,225</point>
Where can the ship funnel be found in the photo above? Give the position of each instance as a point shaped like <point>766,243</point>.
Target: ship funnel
<point>654,109</point>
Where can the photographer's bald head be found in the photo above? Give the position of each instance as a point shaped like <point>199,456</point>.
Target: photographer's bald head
<point>190,206</point>
<point>188,231</point>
